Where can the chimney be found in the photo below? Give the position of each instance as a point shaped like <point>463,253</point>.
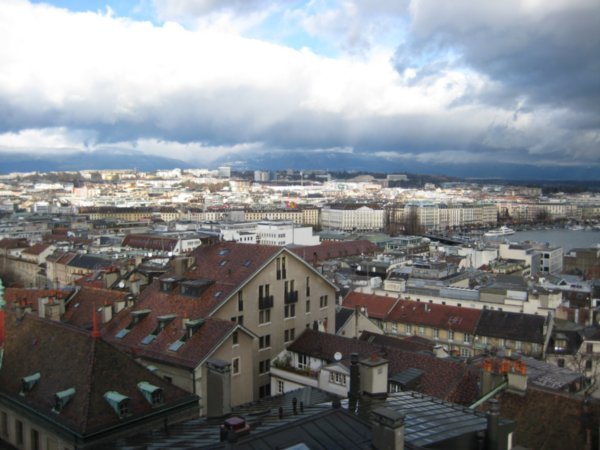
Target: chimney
<point>354,391</point>
<point>52,310</point>
<point>388,429</point>
<point>374,376</point>
<point>517,378</point>
<point>218,388</point>
<point>233,428</point>
<point>493,426</point>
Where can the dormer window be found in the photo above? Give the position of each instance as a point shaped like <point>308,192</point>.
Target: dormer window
<point>152,394</point>
<point>29,382</point>
<point>118,402</point>
<point>191,327</point>
<point>195,288</point>
<point>168,284</point>
<point>163,321</point>
<point>136,317</point>
<point>62,398</point>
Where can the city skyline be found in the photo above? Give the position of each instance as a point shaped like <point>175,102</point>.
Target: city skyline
<point>478,89</point>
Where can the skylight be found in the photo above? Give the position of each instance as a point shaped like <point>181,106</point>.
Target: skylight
<point>224,252</point>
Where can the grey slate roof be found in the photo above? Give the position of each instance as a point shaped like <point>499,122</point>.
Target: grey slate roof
<point>508,325</point>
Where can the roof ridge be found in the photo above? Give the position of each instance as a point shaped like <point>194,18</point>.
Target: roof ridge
<point>90,378</point>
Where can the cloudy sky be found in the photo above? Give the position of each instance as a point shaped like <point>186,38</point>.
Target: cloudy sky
<point>512,83</point>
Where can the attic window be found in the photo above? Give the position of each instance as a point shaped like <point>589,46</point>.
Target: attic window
<point>136,317</point>
<point>118,402</point>
<point>168,284</point>
<point>152,394</point>
<point>223,262</point>
<point>247,263</point>
<point>62,398</point>
<point>224,252</point>
<point>163,321</point>
<point>218,294</point>
<point>29,382</point>
<point>195,288</point>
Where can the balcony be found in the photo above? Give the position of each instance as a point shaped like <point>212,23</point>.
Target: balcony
<point>265,302</point>
<point>291,297</point>
<point>303,376</point>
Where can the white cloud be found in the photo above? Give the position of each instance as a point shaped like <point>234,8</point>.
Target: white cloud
<point>87,80</point>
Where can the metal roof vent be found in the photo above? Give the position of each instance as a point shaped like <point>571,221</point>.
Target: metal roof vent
<point>118,402</point>
<point>62,398</point>
<point>152,394</point>
<point>29,382</point>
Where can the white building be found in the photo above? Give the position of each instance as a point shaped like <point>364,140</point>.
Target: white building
<point>350,217</point>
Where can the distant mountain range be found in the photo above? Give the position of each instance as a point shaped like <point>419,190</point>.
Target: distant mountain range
<point>98,160</point>
<point>120,159</point>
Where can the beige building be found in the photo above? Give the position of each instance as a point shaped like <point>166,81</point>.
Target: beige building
<point>248,301</point>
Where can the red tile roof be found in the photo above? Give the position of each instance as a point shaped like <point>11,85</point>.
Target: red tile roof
<point>36,249</point>
<point>330,249</point>
<point>150,242</point>
<point>66,357</point>
<point>377,306</point>
<point>444,379</point>
<point>85,301</point>
<point>446,317</point>
<point>31,296</point>
<point>8,243</point>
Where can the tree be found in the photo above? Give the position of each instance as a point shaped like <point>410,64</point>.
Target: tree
<point>412,223</point>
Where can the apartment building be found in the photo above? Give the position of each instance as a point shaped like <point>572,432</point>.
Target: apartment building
<point>542,258</point>
<point>353,217</point>
<point>250,301</point>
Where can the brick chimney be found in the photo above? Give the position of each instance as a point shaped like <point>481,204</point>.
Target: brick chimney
<point>388,429</point>
<point>218,388</point>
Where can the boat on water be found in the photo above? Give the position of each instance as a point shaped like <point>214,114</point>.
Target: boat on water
<point>502,231</point>
<point>576,228</point>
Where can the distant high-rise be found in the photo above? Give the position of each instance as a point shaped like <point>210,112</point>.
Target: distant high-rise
<point>224,172</point>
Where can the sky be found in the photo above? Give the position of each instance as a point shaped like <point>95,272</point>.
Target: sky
<point>406,83</point>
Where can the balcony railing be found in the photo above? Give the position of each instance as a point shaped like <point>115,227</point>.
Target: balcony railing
<point>291,297</point>
<point>265,302</point>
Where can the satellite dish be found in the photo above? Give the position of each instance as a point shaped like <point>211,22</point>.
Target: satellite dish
<point>337,356</point>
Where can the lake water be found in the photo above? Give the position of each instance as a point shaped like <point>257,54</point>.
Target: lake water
<point>567,239</point>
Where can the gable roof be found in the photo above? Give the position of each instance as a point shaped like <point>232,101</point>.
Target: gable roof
<point>433,315</point>
<point>377,306</point>
<point>66,357</point>
<point>509,325</point>
<point>31,296</point>
<point>459,382</point>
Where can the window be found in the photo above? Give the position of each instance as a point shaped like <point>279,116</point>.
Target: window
<point>35,439</point>
<point>264,366</point>
<point>337,378</point>
<point>561,362</point>
<point>240,301</point>
<point>278,261</point>
<point>465,352</point>
<point>588,364</point>
<point>290,310</point>
<point>264,341</point>
<point>450,335</point>
<point>468,338</point>
<point>280,387</point>
<point>323,301</point>
<point>4,424</point>
<point>518,345</point>
<point>283,273</point>
<point>436,333</point>
<point>264,390</point>
<point>19,431</point>
<point>589,348</point>
<point>235,366</point>
<point>289,335</point>
<point>394,327</point>
<point>264,316</point>
<point>234,338</point>
<point>307,306</point>
<point>408,328</point>
<point>303,361</point>
<point>421,331</point>
<point>308,286</point>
